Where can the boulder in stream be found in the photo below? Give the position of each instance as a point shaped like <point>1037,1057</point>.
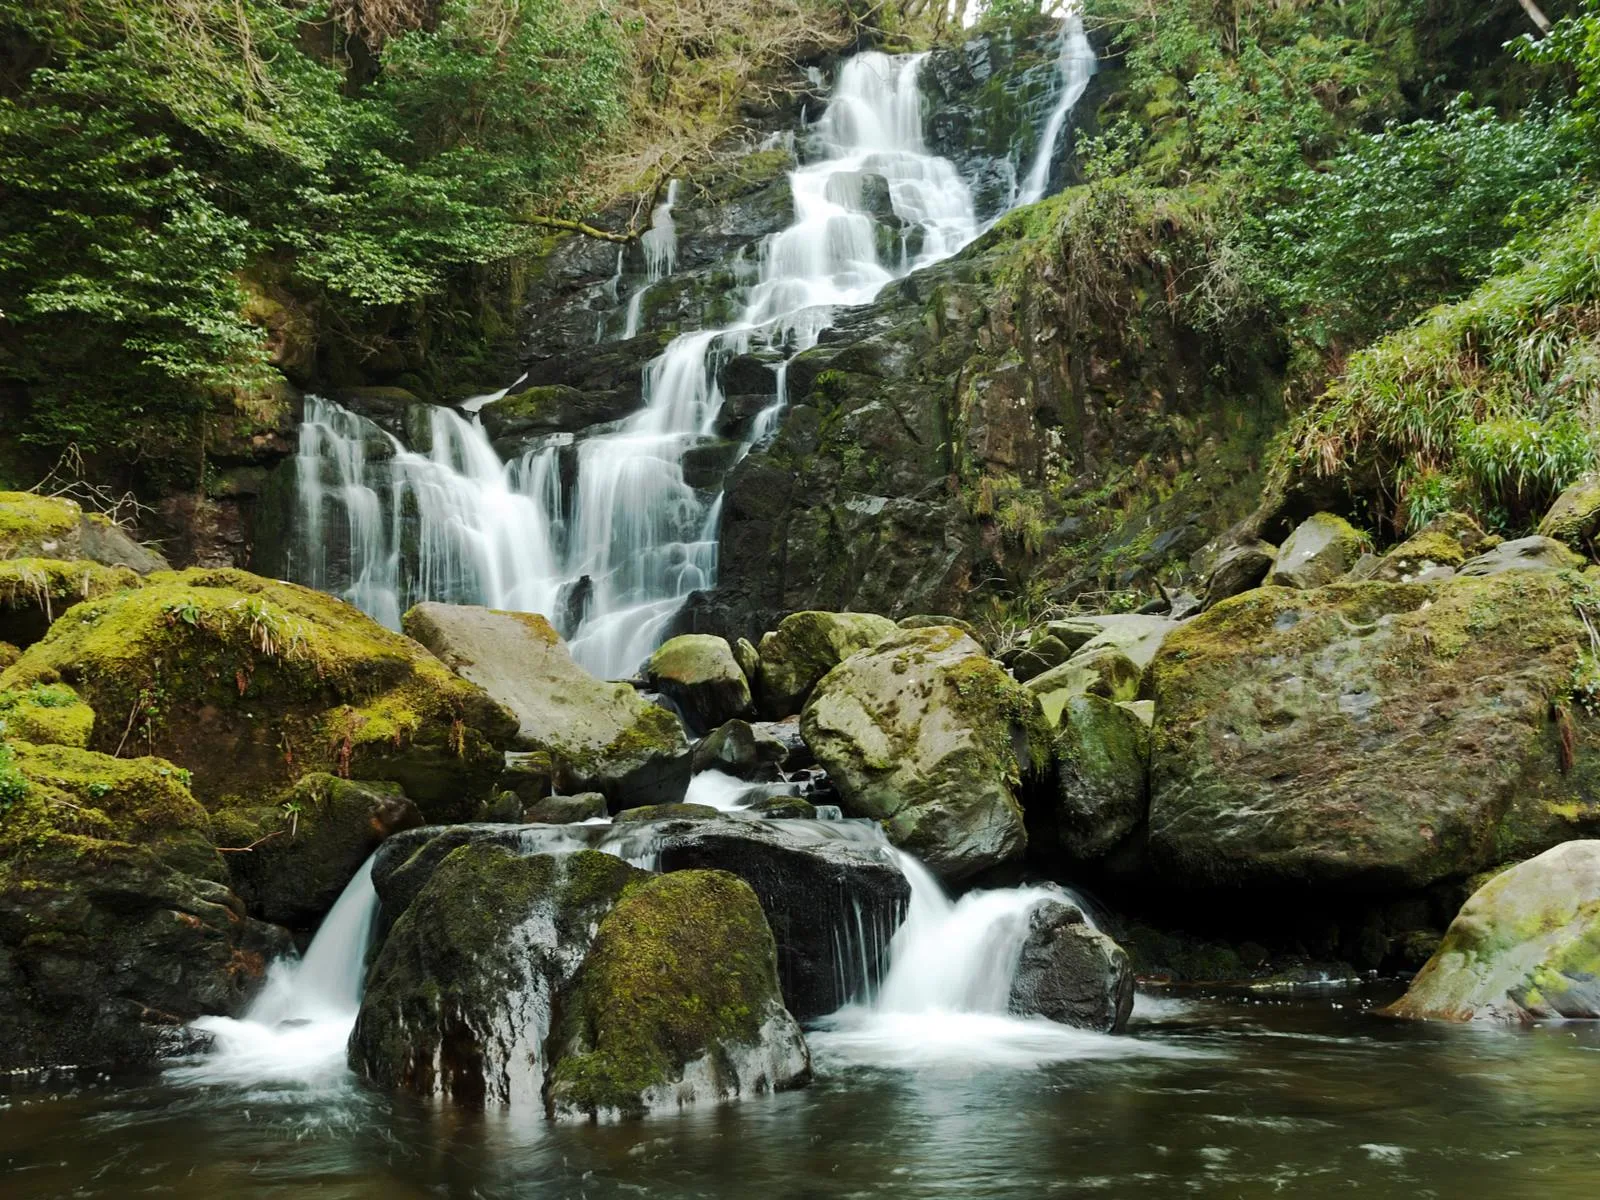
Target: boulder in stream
<point>698,673</point>
<point>601,737</point>
<point>805,647</point>
<point>1071,972</point>
<point>677,1003</point>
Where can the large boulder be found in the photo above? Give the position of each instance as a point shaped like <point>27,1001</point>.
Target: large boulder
<point>927,734</point>
<point>806,646</point>
<point>601,737</point>
<point>1574,518</point>
<point>116,922</point>
<point>1525,946</point>
<point>698,673</point>
<point>1372,736</point>
<point>53,527</point>
<point>459,1000</point>
<point>1101,767</point>
<point>1447,541</point>
<point>290,860</point>
<point>35,591</point>
<point>677,1003</point>
<point>1071,972</point>
<point>249,683</point>
<point>1523,554</point>
<point>1321,549</point>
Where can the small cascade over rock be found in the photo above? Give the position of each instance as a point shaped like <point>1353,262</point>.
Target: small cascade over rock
<point>608,530</point>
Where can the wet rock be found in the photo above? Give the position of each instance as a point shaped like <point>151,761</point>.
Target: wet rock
<point>668,812</point>
<point>555,408</point>
<point>928,735</point>
<point>259,682</point>
<point>459,1000</point>
<point>1525,946</point>
<point>698,673</point>
<point>305,848</point>
<point>1369,737</point>
<point>1072,973</point>
<point>1321,549</point>
<point>1238,569</point>
<point>566,810</point>
<point>738,749</point>
<point>1101,767</point>
<point>528,773</point>
<point>804,648</point>
<point>1103,671</point>
<point>117,924</point>
<point>1523,554</point>
<point>1574,518</point>
<point>677,1003</point>
<point>788,808</point>
<point>601,737</point>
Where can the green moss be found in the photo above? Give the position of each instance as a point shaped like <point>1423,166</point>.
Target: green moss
<point>46,714</point>
<point>683,965</point>
<point>744,174</point>
<point>29,523</point>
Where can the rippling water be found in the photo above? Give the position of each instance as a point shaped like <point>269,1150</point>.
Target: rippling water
<point>1302,1097</point>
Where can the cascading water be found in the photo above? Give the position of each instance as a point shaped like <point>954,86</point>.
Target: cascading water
<point>1074,68</point>
<point>296,1029</point>
<point>612,554</point>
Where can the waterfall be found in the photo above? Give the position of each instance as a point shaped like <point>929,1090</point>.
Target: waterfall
<point>601,531</point>
<point>296,1030</point>
<point>1074,68</point>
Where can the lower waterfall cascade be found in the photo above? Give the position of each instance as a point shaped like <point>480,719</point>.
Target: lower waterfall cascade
<point>623,543</point>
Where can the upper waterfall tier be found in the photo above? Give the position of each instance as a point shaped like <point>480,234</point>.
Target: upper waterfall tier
<point>609,525</point>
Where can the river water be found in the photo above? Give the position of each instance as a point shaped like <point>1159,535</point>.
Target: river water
<point>1236,1097</point>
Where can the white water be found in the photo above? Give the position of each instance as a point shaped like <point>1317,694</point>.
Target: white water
<point>1074,68</point>
<point>296,1031</point>
<point>454,523</point>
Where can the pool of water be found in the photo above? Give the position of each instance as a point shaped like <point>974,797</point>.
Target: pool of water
<point>1235,1097</point>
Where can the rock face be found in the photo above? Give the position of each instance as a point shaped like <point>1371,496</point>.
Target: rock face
<point>699,674</point>
<point>601,737</point>
<point>1525,946</point>
<point>677,1003</point>
<point>1321,549</point>
<point>459,999</point>
<point>1102,761</point>
<point>116,921</point>
<point>1371,737</point>
<point>248,683</point>
<point>804,648</point>
<point>1071,972</point>
<point>305,848</point>
<point>928,735</point>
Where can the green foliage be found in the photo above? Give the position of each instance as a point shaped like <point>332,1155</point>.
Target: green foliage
<point>13,784</point>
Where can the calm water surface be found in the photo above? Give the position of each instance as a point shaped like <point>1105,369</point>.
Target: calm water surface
<point>1299,1097</point>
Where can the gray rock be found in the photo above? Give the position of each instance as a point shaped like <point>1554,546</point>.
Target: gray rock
<point>1524,554</point>
<point>1072,973</point>
<point>566,810</point>
<point>738,749</point>
<point>1102,777</point>
<point>1321,549</point>
<point>699,673</point>
<point>1238,569</point>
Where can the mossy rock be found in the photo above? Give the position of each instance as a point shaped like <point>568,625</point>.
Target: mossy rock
<point>739,749</point>
<point>1372,736</point>
<point>1448,540</point>
<point>1103,671</point>
<point>699,673</point>
<point>1320,550</point>
<point>1574,518</point>
<point>9,653</point>
<point>289,861</point>
<point>116,922</point>
<point>249,683</point>
<point>1525,946</point>
<point>927,734</point>
<point>677,1003</point>
<point>54,527</point>
<point>668,812</point>
<point>804,648</point>
<point>566,810</point>
<point>1101,768</point>
<point>600,736</point>
<point>459,999</point>
<point>35,591</point>
<point>47,714</point>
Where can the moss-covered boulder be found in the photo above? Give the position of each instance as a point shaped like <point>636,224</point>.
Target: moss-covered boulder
<point>1523,554</point>
<point>1448,540</point>
<point>601,737</point>
<point>290,860</point>
<point>9,653</point>
<point>54,527</point>
<point>116,921</point>
<point>46,714</point>
<point>1102,757</point>
<point>699,673</point>
<point>249,683</point>
<point>566,810</point>
<point>1574,518</point>
<point>1070,972</point>
<point>1525,946</point>
<point>459,999</point>
<point>1137,635</point>
<point>1321,549</point>
<point>35,591</point>
<point>806,646</point>
<point>927,734</point>
<point>1372,736</point>
<point>677,1003</point>
<point>1103,671</point>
